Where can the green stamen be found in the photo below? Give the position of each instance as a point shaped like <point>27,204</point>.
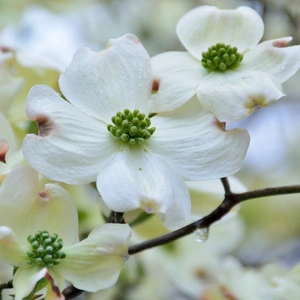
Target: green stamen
<point>221,57</point>
<point>131,127</point>
<point>45,249</point>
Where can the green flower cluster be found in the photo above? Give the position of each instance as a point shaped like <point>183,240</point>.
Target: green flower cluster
<point>131,127</point>
<point>221,57</point>
<point>45,249</point>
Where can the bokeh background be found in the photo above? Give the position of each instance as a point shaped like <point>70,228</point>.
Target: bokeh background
<point>259,248</point>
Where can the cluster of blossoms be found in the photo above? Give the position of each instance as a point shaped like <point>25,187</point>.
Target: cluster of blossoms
<point>139,128</point>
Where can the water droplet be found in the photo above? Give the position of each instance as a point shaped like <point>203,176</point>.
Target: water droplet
<point>201,234</point>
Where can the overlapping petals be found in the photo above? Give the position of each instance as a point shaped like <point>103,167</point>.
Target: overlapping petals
<point>170,95</point>
<point>196,144</point>
<point>239,95</point>
<point>230,95</point>
<point>52,209</point>
<point>148,182</point>
<point>71,146</point>
<point>107,252</point>
<point>100,83</point>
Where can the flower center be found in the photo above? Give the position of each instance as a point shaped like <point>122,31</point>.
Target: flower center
<point>131,127</point>
<point>221,57</point>
<point>45,249</point>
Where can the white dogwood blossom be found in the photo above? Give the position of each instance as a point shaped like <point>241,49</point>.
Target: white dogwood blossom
<point>106,132</point>
<point>39,236</point>
<point>230,72</point>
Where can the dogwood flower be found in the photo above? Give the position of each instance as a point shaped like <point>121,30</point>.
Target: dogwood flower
<point>231,73</point>
<point>39,235</point>
<point>106,133</point>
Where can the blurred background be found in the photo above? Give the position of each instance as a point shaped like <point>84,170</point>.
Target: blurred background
<point>38,40</point>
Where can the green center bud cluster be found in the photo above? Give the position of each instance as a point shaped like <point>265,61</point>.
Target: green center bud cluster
<point>131,127</point>
<point>45,249</point>
<point>221,57</point>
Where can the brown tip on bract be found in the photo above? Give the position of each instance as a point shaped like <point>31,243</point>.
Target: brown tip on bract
<point>45,125</point>
<point>2,157</point>
<point>280,44</point>
<point>221,125</point>
<point>227,293</point>
<point>155,85</point>
<point>44,195</point>
<point>5,49</point>
<point>4,146</point>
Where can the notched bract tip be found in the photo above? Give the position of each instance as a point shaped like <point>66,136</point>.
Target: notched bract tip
<point>4,146</point>
<point>155,85</point>
<point>45,125</point>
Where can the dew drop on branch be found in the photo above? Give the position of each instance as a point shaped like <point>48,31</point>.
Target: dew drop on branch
<point>201,234</point>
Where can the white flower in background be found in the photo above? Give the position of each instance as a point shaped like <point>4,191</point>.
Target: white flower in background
<point>231,73</point>
<point>104,134</point>
<point>20,70</point>
<point>39,235</point>
<point>10,83</point>
<point>186,267</point>
<point>271,281</point>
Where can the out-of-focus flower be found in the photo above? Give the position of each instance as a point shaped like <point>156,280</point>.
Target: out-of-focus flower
<point>231,74</point>
<point>168,272</point>
<point>20,70</point>
<point>39,235</point>
<point>105,134</point>
<point>272,281</point>
<point>10,83</point>
<point>186,267</point>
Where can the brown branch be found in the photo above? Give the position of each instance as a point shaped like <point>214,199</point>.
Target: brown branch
<point>230,200</point>
<point>116,217</point>
<point>228,203</point>
<point>7,285</point>
<point>71,292</point>
<point>226,186</point>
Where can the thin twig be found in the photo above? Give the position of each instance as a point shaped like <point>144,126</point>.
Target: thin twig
<point>71,292</point>
<point>226,186</point>
<point>229,202</point>
<point>7,285</point>
<point>116,217</point>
